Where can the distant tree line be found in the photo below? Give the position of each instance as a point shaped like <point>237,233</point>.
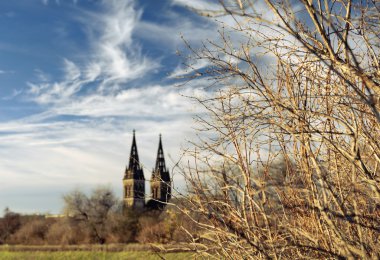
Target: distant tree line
<point>95,219</point>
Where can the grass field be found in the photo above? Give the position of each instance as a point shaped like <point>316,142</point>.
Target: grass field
<point>110,251</point>
<point>93,255</point>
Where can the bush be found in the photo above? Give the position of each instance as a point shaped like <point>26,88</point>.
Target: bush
<point>9,224</point>
<point>66,232</point>
<point>32,231</point>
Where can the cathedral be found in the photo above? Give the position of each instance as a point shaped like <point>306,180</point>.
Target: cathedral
<point>134,181</point>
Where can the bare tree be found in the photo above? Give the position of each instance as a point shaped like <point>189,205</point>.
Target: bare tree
<point>290,163</point>
<point>94,211</point>
<point>9,224</point>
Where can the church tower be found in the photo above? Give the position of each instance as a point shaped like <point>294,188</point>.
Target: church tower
<point>160,183</point>
<point>134,181</point>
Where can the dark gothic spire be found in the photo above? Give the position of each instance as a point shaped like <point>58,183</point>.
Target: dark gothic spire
<point>134,163</point>
<point>160,182</point>
<point>160,172</point>
<point>160,161</point>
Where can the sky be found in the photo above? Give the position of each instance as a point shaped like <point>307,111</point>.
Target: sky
<point>76,77</point>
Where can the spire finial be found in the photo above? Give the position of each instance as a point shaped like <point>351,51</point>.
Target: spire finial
<point>160,161</point>
<point>134,157</point>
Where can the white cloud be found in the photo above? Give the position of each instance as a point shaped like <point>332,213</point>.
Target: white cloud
<point>15,93</point>
<point>198,4</point>
<point>182,71</point>
<point>92,148</point>
<point>113,58</point>
<point>152,101</point>
<point>57,2</point>
<point>6,72</point>
<point>83,136</point>
<point>115,53</point>
<point>41,76</point>
<point>72,72</point>
<point>170,34</point>
<point>87,152</point>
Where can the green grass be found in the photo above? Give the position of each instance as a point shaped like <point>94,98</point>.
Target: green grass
<point>93,255</point>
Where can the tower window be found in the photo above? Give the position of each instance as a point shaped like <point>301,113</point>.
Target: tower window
<point>128,191</point>
<point>156,192</point>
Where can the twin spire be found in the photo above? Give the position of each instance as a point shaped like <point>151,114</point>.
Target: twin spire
<point>134,181</point>
<point>134,162</point>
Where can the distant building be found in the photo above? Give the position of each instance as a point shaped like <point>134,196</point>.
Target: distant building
<point>160,183</point>
<point>134,181</point>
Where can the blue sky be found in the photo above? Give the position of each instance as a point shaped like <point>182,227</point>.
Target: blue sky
<point>76,77</point>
